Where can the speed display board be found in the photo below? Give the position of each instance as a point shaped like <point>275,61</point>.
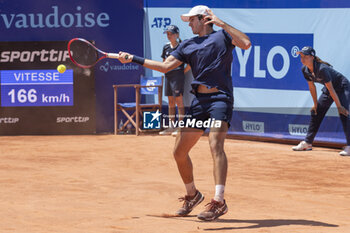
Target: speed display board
<point>36,88</point>
<point>36,98</point>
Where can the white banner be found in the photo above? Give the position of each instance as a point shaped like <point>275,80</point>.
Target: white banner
<point>273,77</point>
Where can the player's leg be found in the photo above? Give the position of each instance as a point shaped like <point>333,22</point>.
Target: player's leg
<point>323,104</point>
<point>185,140</point>
<point>221,110</point>
<point>172,109</point>
<point>217,206</point>
<point>216,142</point>
<point>180,106</point>
<point>178,90</point>
<point>178,93</point>
<point>181,111</point>
<point>344,98</point>
<point>171,105</point>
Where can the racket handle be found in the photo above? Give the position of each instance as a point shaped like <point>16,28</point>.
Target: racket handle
<point>116,55</point>
<point>112,55</point>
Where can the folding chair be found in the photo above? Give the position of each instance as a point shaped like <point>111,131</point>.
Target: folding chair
<point>148,86</point>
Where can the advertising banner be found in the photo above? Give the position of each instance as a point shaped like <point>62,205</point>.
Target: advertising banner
<point>38,97</point>
<point>113,25</point>
<point>271,96</point>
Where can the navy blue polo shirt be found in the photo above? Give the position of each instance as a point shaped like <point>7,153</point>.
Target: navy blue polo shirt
<point>324,74</point>
<point>167,50</point>
<point>210,58</point>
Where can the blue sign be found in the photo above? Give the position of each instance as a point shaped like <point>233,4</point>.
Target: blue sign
<point>295,4</point>
<point>36,88</point>
<point>59,21</point>
<point>271,62</point>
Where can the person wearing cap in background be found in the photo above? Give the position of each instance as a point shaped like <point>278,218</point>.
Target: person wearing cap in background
<point>174,80</point>
<point>337,89</point>
<point>210,56</point>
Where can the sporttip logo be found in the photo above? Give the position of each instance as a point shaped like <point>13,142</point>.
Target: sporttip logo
<point>9,120</point>
<point>253,126</point>
<point>75,119</point>
<point>298,130</point>
<point>34,56</point>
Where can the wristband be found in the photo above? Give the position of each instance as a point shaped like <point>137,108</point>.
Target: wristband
<point>138,60</point>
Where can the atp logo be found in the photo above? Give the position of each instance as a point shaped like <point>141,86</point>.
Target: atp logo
<point>151,120</point>
<point>159,22</point>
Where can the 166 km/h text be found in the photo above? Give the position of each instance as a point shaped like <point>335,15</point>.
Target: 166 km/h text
<point>24,96</point>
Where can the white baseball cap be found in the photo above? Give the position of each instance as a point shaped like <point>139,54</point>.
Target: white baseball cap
<point>197,10</point>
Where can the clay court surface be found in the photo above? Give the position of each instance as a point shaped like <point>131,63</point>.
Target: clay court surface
<point>125,183</point>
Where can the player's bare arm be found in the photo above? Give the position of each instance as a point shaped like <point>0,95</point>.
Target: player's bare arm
<point>169,64</point>
<point>313,93</point>
<point>239,39</point>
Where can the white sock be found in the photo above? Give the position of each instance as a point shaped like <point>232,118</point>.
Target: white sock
<point>191,189</point>
<point>219,193</point>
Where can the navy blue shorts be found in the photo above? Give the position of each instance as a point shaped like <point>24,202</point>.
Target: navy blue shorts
<point>174,83</point>
<point>205,106</point>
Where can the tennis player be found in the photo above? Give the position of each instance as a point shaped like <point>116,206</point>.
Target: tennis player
<point>210,56</point>
<point>336,89</point>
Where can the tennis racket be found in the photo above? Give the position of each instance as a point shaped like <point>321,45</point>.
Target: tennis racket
<point>85,55</point>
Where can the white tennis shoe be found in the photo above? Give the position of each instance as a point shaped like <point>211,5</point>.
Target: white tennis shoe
<point>345,152</point>
<point>167,131</point>
<point>302,146</point>
<point>174,134</point>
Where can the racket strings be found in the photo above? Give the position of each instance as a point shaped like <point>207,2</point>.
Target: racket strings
<point>83,53</point>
